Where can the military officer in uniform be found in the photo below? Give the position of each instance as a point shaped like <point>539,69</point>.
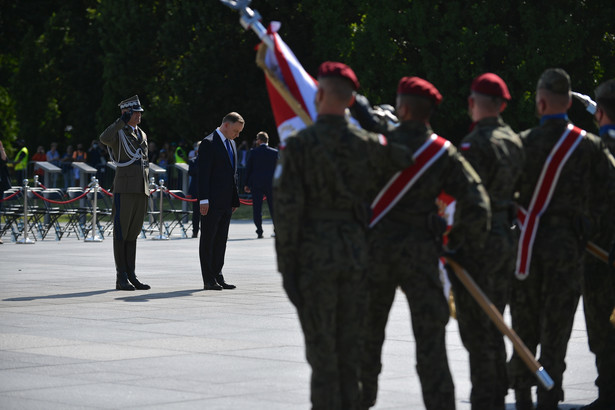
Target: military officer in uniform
<point>599,284</point>
<point>322,189</point>
<point>495,152</point>
<point>128,146</point>
<point>567,175</point>
<point>404,247</point>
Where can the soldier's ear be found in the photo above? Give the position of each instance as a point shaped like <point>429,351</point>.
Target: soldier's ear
<point>503,106</point>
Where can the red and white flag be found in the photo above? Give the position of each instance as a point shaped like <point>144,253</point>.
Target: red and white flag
<point>282,63</point>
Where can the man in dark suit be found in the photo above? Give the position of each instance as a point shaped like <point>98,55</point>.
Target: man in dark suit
<point>259,177</point>
<point>218,197</point>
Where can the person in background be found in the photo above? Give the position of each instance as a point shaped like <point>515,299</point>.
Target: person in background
<point>5,178</point>
<point>599,283</point>
<point>53,157</point>
<point>567,176</point>
<point>39,156</point>
<point>20,163</point>
<point>96,159</point>
<point>78,156</point>
<point>195,149</point>
<point>65,164</point>
<point>496,153</point>
<point>259,178</point>
<point>193,190</point>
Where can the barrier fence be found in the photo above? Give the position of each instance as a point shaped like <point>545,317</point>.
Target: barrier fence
<point>30,214</point>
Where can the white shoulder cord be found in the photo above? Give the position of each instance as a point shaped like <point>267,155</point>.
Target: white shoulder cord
<point>134,155</point>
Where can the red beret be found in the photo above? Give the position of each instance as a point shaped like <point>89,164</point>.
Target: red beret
<point>335,69</point>
<point>420,87</point>
<point>490,84</point>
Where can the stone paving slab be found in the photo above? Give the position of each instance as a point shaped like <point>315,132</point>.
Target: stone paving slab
<point>69,340</point>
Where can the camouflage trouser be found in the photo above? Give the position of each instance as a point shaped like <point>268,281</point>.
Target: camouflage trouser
<point>414,267</point>
<point>598,302</point>
<point>492,269</point>
<point>330,320</point>
<point>543,306</point>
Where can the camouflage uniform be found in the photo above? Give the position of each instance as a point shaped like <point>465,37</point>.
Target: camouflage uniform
<point>322,189</point>
<point>599,297</point>
<point>544,303</point>
<point>495,151</point>
<point>404,250</point>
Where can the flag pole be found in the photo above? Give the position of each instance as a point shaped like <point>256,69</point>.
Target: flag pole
<point>598,252</point>
<point>498,320</point>
<point>250,19</point>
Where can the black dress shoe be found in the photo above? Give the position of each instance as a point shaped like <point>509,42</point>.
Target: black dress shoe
<point>209,286</point>
<point>222,282</point>
<point>227,286</point>
<point>260,236</point>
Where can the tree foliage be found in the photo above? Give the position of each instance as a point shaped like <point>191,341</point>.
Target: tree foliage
<point>190,62</point>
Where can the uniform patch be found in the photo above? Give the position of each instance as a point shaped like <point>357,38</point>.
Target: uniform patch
<point>465,146</point>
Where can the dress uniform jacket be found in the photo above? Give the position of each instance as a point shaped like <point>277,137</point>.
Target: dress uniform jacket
<point>133,178</point>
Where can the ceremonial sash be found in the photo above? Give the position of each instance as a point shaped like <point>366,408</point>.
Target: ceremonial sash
<point>402,181</point>
<point>543,192</point>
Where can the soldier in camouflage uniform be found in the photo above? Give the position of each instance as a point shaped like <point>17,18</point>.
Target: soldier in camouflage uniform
<point>599,285</point>
<point>321,196</point>
<point>405,246</point>
<point>543,304</point>
<point>495,151</point>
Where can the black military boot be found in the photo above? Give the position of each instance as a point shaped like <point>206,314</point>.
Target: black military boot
<point>131,254</point>
<point>119,253</point>
<point>121,282</point>
<point>523,399</point>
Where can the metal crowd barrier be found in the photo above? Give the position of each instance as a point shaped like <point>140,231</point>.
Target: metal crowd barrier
<point>28,221</point>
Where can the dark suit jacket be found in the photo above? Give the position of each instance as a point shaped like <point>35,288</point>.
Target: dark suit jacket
<point>261,165</point>
<point>217,178</point>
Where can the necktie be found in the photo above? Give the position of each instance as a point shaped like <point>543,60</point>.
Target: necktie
<point>231,156</point>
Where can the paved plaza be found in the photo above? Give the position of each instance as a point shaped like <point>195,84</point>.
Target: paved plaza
<point>69,340</point>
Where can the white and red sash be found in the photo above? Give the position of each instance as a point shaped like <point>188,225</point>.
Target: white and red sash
<point>402,181</point>
<point>543,192</point>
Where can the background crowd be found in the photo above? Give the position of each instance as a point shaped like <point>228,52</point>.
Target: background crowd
<point>63,155</point>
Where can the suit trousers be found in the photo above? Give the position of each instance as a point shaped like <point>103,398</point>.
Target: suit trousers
<point>196,217</point>
<point>212,245</point>
<point>257,206</point>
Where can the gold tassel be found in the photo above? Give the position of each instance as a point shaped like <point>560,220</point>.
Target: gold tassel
<point>613,317</point>
<point>453,310</point>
